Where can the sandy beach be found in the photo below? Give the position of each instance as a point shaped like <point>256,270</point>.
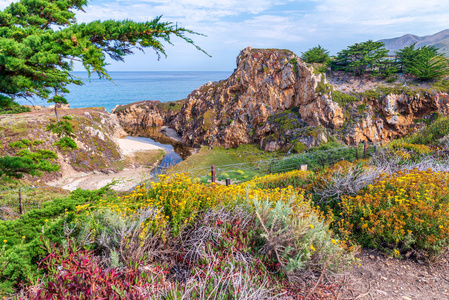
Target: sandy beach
<point>130,146</point>
<point>126,179</point>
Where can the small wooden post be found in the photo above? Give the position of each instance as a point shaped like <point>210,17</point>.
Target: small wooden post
<point>212,174</point>
<point>20,202</point>
<point>303,167</point>
<point>365,146</point>
<point>356,152</point>
<point>375,149</point>
<point>228,181</point>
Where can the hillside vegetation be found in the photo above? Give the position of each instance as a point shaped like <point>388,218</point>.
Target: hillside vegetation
<point>271,237</point>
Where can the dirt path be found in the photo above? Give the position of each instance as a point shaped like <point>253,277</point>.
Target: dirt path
<point>381,277</point>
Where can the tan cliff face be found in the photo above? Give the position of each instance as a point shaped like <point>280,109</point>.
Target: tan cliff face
<point>392,116</point>
<point>273,98</point>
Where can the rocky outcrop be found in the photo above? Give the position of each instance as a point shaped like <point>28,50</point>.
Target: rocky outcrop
<point>147,113</point>
<point>391,116</point>
<point>238,110</point>
<point>275,99</point>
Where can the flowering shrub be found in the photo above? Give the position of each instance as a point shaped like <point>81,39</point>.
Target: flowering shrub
<point>407,151</point>
<point>408,210</point>
<point>295,179</point>
<point>179,200</point>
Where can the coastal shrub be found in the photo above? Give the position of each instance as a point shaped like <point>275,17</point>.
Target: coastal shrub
<point>61,129</point>
<point>21,238</point>
<point>296,179</point>
<point>299,147</point>
<point>28,162</point>
<point>298,237</point>
<point>406,211</point>
<point>218,272</point>
<point>66,143</point>
<point>408,150</point>
<point>323,88</point>
<point>9,107</point>
<point>194,240</point>
<point>343,178</point>
<point>76,274</point>
<point>431,134</point>
<point>320,157</point>
<point>179,201</point>
<point>343,99</point>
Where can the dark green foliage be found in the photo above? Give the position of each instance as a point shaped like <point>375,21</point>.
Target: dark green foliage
<point>66,143</point>
<point>39,40</point>
<point>361,57</point>
<point>432,133</point>
<point>61,128</point>
<point>316,55</point>
<point>17,145</point>
<point>370,94</point>
<point>67,118</point>
<point>424,62</point>
<point>27,162</point>
<point>23,249</point>
<point>9,107</point>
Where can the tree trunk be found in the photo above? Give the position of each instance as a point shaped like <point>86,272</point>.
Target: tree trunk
<point>56,113</point>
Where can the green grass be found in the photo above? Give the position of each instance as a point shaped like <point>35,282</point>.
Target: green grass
<point>219,156</point>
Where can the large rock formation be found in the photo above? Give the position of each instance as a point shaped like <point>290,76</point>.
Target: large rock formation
<point>275,99</point>
<point>148,113</point>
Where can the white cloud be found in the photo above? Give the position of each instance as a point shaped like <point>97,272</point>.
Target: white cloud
<point>295,24</point>
<point>5,3</point>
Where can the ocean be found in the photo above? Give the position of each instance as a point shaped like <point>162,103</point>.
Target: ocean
<point>128,87</point>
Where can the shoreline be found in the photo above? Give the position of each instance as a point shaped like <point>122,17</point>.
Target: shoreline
<point>126,179</point>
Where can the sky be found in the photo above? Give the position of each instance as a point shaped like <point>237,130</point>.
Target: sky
<point>232,25</point>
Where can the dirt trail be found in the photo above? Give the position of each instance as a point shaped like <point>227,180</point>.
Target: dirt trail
<point>381,277</point>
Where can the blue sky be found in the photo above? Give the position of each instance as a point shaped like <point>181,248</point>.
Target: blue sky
<point>231,25</point>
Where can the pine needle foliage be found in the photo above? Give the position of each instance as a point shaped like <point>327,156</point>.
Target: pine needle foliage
<point>41,39</point>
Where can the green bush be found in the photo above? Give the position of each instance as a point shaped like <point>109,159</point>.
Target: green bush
<point>66,143</point>
<point>9,107</point>
<point>299,147</point>
<point>22,238</point>
<point>432,133</point>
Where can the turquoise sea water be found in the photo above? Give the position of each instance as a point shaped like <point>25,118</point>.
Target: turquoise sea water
<point>128,87</point>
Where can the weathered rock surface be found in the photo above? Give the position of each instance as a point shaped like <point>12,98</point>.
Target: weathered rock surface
<point>147,113</point>
<point>275,99</point>
<point>391,116</point>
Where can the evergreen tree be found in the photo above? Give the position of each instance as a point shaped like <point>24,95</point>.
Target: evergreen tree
<point>361,57</point>
<point>39,42</point>
<point>316,55</point>
<point>425,63</point>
